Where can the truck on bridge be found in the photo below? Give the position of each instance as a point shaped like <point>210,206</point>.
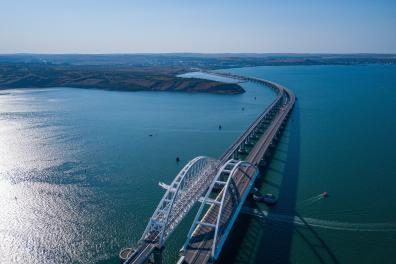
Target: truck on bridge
<point>221,185</point>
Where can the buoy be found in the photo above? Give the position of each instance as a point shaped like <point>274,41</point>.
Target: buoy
<point>243,108</point>
<point>219,127</point>
<point>177,159</point>
<point>255,98</point>
<point>150,135</point>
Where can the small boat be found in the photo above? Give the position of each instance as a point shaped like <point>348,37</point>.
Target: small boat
<point>325,195</point>
<point>268,198</point>
<point>177,159</point>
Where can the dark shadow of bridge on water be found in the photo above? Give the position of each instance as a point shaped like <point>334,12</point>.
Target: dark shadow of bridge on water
<point>262,240</point>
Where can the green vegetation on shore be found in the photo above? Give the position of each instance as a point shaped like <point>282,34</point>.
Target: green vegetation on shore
<point>120,78</point>
<point>151,72</point>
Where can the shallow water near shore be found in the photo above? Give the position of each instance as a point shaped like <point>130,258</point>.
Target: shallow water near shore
<point>79,170</point>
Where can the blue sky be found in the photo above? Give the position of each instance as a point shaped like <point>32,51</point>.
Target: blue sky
<point>118,26</point>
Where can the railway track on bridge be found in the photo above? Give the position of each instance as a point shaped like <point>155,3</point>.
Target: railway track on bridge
<point>202,245</point>
<point>234,174</point>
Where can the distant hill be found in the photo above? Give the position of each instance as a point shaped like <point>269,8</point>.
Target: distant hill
<point>121,78</point>
<point>198,60</point>
<point>152,72</point>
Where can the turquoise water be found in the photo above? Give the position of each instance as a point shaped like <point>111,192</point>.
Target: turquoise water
<point>340,139</point>
<point>79,172</point>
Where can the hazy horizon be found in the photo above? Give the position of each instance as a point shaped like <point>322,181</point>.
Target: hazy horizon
<point>124,27</point>
<point>202,53</point>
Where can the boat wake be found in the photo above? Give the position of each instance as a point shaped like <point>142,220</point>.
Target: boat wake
<point>325,224</point>
<point>312,200</point>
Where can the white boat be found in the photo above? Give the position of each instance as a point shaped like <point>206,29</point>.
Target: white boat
<point>268,198</point>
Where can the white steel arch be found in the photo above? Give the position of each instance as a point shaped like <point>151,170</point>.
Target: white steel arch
<point>229,169</point>
<point>187,187</point>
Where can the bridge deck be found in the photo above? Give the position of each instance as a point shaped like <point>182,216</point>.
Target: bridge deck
<point>199,248</point>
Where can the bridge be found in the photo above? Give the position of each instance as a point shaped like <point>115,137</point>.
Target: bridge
<point>220,185</point>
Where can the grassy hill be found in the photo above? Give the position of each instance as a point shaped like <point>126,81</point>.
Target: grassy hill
<point>121,78</point>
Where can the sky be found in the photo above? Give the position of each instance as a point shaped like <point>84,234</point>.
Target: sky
<point>207,26</point>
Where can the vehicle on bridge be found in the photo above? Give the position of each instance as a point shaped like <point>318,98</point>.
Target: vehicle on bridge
<point>220,185</point>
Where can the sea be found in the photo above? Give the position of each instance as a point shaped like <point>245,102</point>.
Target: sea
<point>79,168</point>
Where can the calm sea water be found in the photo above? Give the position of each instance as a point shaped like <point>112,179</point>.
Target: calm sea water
<point>79,172</point>
<point>340,139</point>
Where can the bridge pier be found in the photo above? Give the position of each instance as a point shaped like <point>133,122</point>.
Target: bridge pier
<point>248,143</point>
<point>242,150</point>
<point>254,137</point>
<point>235,178</point>
<point>157,255</point>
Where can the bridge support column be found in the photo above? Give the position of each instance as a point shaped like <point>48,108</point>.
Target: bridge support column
<point>242,150</point>
<point>248,142</point>
<point>157,255</point>
<point>263,163</point>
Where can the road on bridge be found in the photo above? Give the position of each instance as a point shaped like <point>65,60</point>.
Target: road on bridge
<point>199,247</point>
